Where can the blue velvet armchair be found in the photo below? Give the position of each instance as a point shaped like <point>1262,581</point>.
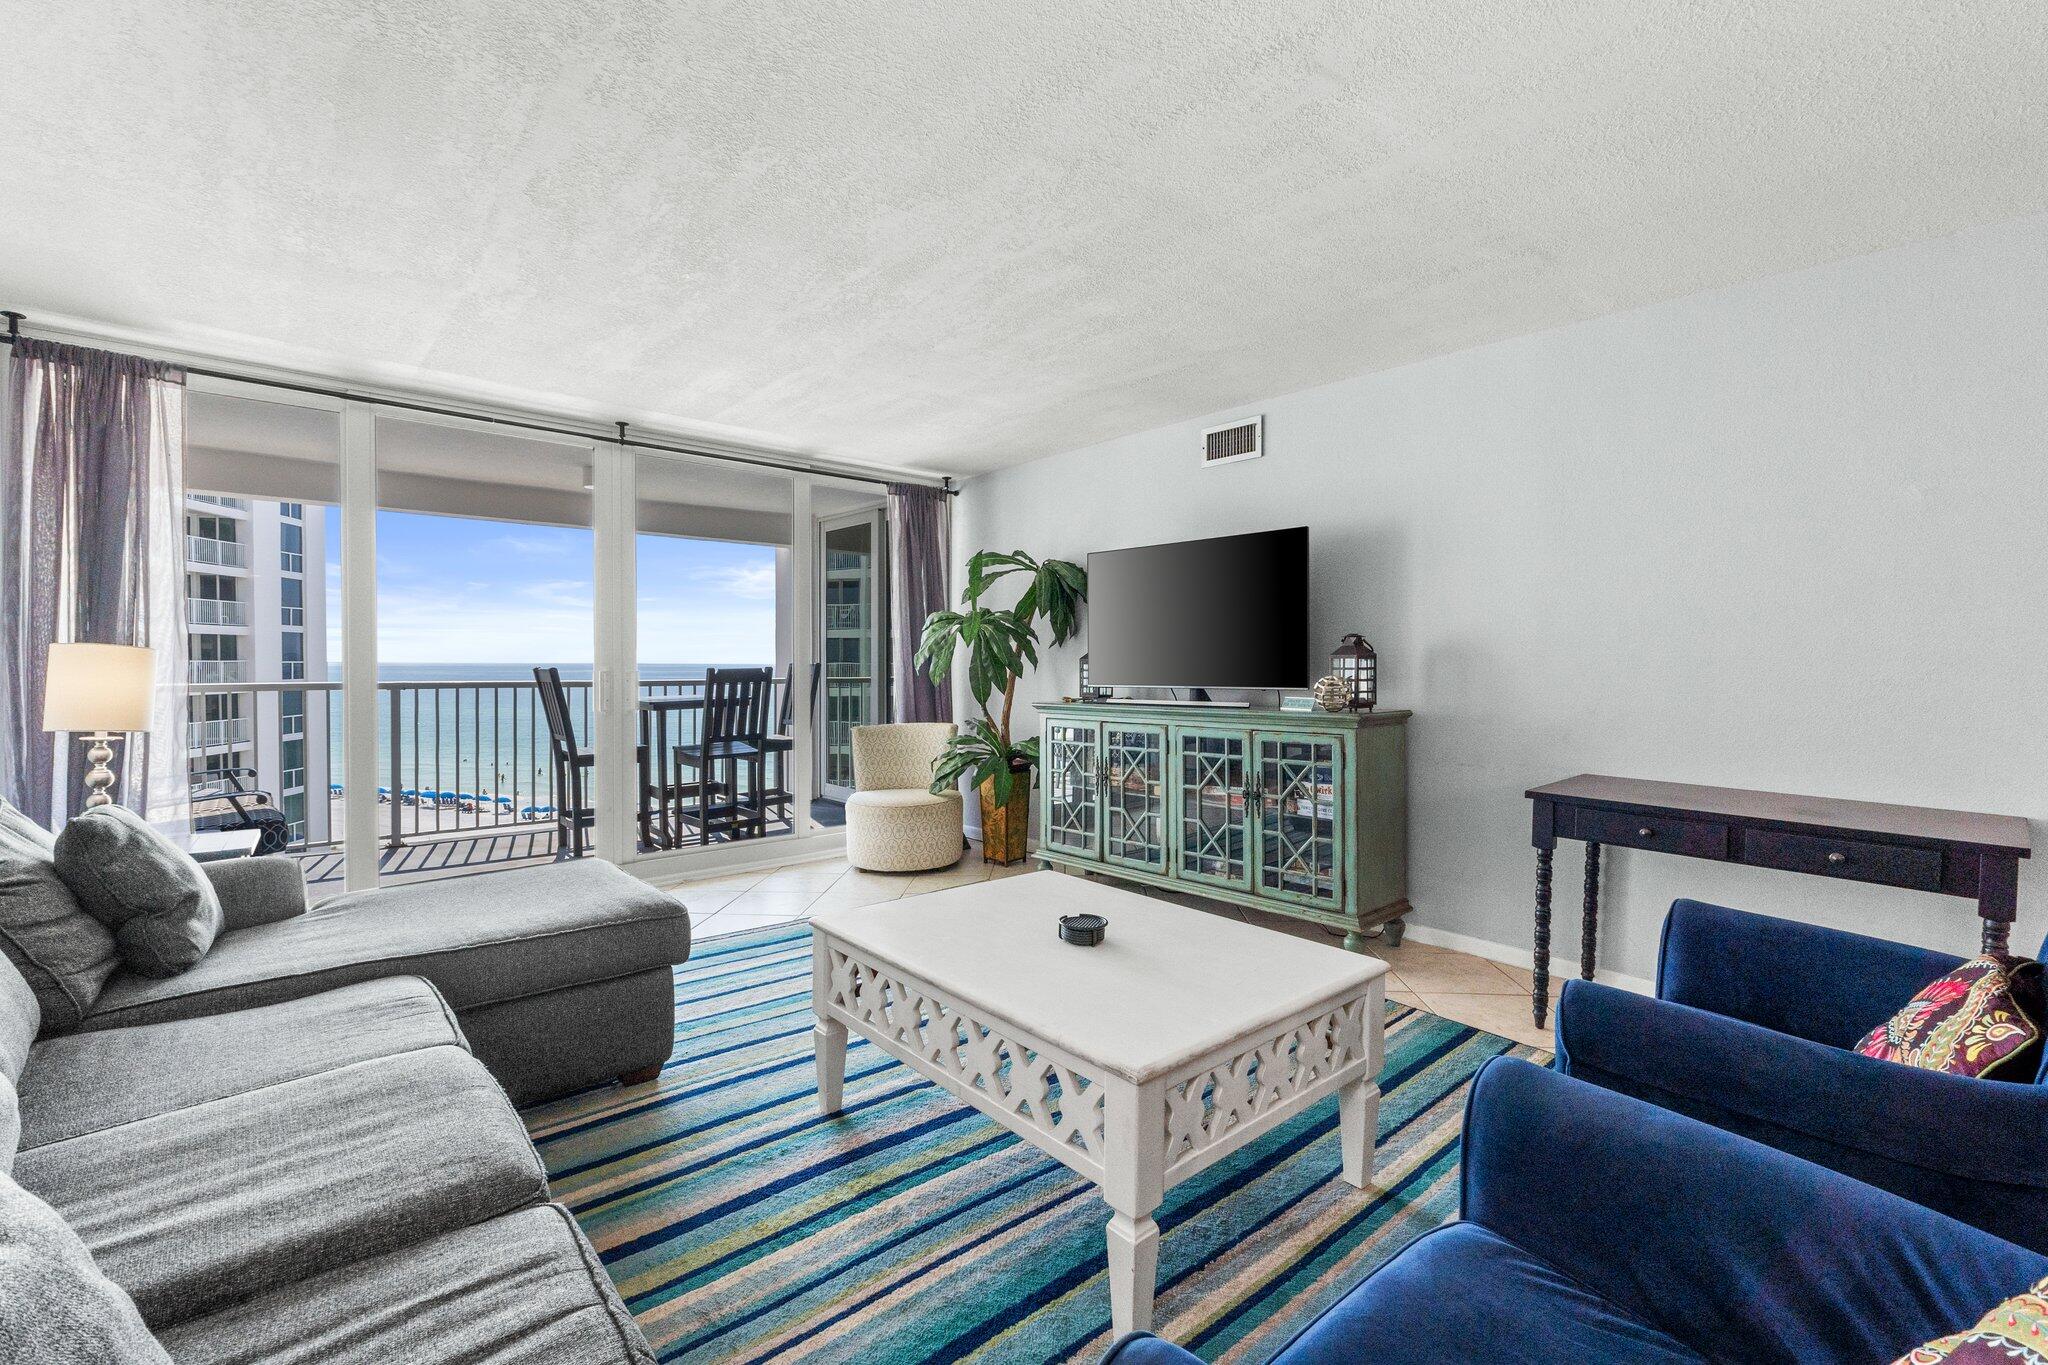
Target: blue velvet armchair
<point>1599,1228</point>
<point>1752,1031</point>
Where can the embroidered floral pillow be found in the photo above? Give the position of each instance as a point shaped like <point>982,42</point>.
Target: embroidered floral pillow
<point>2014,1333</point>
<point>1978,1019</point>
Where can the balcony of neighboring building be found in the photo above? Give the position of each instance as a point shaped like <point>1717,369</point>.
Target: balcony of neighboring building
<point>219,670</point>
<point>209,611</point>
<point>214,553</point>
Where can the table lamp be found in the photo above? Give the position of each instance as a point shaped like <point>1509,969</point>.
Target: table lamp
<point>101,692</point>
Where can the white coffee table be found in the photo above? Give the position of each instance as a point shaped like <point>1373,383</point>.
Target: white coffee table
<point>1138,1062</point>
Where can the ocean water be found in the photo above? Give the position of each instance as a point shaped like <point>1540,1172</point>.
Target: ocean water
<point>481,729</point>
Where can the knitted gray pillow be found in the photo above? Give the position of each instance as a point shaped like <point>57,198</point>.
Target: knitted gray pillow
<point>21,837</point>
<point>63,953</point>
<point>162,909</point>
<point>56,1306</point>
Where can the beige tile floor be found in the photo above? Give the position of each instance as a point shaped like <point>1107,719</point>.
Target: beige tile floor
<point>1455,985</point>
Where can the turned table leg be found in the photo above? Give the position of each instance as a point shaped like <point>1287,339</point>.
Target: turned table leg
<point>1998,898</point>
<point>1540,967</point>
<point>1589,924</point>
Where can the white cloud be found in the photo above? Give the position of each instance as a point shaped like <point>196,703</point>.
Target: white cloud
<point>755,582</point>
<point>533,547</point>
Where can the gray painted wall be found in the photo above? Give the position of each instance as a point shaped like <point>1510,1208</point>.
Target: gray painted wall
<point>1790,535</point>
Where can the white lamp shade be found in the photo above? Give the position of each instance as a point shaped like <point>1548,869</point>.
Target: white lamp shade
<point>91,688</point>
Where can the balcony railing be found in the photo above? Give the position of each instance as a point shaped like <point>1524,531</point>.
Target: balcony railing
<point>231,554</point>
<point>216,500</point>
<point>218,670</point>
<point>206,611</point>
<point>456,758</point>
<point>843,616</point>
<point>204,735</point>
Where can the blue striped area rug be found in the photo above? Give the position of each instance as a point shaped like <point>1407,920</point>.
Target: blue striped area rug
<point>741,1226</point>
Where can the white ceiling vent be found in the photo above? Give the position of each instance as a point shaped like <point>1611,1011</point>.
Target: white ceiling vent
<point>1244,440</point>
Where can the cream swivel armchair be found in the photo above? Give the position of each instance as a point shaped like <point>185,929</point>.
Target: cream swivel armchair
<point>893,822</point>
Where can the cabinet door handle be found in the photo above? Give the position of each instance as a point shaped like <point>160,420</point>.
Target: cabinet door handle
<point>1838,857</point>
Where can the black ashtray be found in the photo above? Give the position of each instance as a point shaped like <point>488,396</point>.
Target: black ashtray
<point>1086,930</point>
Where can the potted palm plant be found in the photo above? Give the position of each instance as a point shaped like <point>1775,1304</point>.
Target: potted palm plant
<point>999,644</point>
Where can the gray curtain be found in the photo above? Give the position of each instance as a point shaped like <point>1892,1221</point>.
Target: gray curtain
<point>91,495</point>
<point>920,552</point>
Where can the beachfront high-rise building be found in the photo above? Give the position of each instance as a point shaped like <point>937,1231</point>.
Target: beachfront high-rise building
<point>848,646</point>
<point>256,623</point>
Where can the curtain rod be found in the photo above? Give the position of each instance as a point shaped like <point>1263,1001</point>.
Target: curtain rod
<point>14,334</point>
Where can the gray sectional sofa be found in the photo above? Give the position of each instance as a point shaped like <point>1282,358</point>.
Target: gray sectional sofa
<point>304,1148</point>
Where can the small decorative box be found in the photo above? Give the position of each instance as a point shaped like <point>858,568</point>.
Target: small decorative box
<point>1297,703</point>
<point>1086,930</point>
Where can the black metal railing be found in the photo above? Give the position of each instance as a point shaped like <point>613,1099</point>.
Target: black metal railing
<point>459,757</point>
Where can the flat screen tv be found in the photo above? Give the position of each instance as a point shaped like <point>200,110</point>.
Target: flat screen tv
<point>1226,612</point>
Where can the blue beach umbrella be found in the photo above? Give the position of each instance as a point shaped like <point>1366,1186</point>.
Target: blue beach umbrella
<point>334,788</point>
<point>444,796</point>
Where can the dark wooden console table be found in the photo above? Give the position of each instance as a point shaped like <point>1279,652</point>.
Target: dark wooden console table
<point>1953,852</point>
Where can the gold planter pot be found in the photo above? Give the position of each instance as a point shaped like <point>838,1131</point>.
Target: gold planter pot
<point>1004,827</point>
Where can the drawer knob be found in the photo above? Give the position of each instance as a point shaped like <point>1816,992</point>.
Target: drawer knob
<point>1838,857</point>
<point>1646,833</point>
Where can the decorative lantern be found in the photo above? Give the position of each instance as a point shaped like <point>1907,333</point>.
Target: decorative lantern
<point>1354,662</point>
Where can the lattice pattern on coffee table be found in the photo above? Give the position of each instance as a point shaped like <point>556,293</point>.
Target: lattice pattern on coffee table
<point>1207,1106</point>
<point>1057,1100</point>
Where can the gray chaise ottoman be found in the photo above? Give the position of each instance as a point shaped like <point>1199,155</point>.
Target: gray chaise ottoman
<point>561,976</point>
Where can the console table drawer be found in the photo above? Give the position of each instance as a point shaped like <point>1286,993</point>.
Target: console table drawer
<point>1695,838</point>
<point>1916,868</point>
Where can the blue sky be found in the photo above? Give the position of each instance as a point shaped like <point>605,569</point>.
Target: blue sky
<point>456,590</point>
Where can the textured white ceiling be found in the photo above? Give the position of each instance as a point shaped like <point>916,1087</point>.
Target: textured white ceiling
<point>959,235</point>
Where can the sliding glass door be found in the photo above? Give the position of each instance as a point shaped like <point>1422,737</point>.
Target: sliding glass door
<point>852,641</point>
<point>444,560</point>
<point>714,653</point>
<point>486,655</point>
<point>262,561</point>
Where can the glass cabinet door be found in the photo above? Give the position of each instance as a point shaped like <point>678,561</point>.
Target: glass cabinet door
<point>1134,795</point>
<point>1211,779</point>
<point>1299,834</point>
<point>1072,774</point>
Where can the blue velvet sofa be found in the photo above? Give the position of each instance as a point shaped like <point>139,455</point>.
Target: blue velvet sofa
<point>1753,1031</point>
<point>1599,1228</point>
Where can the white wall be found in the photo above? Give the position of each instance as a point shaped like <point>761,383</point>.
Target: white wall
<point>1790,535</point>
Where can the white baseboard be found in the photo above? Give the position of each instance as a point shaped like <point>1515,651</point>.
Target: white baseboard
<point>1525,958</point>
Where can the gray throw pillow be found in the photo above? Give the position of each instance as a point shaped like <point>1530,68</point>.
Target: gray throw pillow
<point>21,837</point>
<point>10,1126</point>
<point>63,953</point>
<point>128,876</point>
<point>56,1307</point>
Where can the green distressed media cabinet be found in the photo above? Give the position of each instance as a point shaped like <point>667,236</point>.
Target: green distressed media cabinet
<point>1303,813</point>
